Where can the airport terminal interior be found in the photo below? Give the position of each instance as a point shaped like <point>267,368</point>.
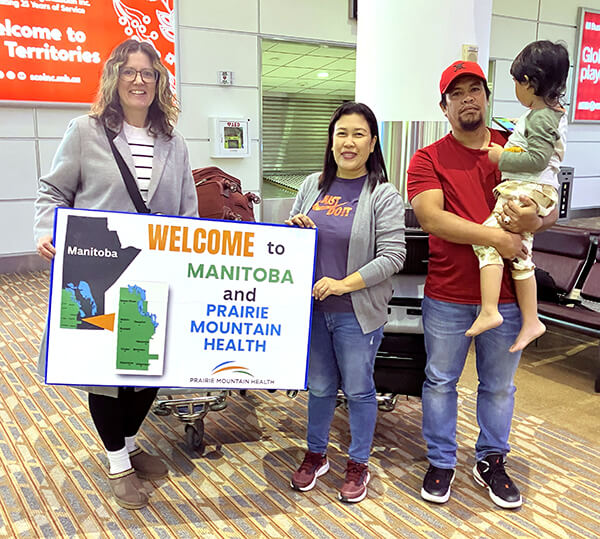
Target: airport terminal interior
<point>231,452</point>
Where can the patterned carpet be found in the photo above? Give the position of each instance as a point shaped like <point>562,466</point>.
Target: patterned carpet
<point>53,482</point>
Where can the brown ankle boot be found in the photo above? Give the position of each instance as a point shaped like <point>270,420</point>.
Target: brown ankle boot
<point>125,487</point>
<point>147,466</point>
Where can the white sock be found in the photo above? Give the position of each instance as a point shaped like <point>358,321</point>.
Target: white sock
<point>130,443</point>
<point>118,461</point>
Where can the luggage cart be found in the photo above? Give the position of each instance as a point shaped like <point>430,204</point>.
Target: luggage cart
<point>400,361</point>
<point>190,410</point>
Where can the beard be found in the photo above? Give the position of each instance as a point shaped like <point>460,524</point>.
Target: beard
<point>471,123</point>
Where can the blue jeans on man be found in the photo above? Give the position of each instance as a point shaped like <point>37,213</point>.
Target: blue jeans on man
<point>445,325</point>
<point>342,356</point>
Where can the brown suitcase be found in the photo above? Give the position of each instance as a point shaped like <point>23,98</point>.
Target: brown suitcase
<point>220,196</point>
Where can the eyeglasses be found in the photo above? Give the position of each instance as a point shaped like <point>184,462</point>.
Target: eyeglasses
<point>128,74</point>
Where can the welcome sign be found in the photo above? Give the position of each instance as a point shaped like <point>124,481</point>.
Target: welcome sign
<point>54,50</point>
<point>151,300</point>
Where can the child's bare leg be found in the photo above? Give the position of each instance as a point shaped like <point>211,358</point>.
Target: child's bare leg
<point>490,281</point>
<point>531,327</point>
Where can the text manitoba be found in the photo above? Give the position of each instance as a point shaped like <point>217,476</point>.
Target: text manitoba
<point>239,273</point>
<point>236,328</point>
<point>91,251</point>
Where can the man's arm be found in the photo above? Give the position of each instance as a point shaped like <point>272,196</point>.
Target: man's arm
<point>542,133</point>
<point>429,209</point>
<point>524,217</point>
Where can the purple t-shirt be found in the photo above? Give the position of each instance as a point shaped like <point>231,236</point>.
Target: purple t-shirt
<point>333,214</point>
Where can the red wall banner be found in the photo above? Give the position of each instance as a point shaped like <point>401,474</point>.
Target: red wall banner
<point>54,50</point>
<point>585,104</point>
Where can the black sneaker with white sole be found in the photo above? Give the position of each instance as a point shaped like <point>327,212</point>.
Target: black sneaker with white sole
<point>436,484</point>
<point>490,473</point>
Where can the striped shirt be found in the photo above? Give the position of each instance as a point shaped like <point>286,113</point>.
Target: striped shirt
<point>141,144</point>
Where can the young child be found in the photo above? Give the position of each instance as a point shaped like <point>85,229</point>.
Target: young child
<point>529,163</point>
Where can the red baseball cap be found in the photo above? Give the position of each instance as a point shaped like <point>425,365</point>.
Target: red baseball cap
<point>458,69</point>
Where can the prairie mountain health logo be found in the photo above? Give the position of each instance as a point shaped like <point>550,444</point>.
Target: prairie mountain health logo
<point>227,366</point>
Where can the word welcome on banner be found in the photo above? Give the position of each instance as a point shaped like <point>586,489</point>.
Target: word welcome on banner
<point>54,50</point>
<point>152,300</point>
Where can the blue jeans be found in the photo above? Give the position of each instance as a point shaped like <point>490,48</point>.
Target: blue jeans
<point>445,325</point>
<point>341,355</point>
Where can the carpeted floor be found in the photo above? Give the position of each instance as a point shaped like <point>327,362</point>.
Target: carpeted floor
<point>53,482</point>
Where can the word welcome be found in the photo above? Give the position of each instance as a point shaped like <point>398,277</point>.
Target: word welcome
<point>213,241</point>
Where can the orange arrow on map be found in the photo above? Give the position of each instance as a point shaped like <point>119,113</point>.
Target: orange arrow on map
<point>104,321</point>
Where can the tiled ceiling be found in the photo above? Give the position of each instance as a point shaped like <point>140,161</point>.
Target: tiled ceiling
<point>307,69</point>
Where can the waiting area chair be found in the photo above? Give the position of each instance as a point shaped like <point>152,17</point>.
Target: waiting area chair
<point>572,259</point>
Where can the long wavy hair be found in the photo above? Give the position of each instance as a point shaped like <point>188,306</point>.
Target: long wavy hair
<point>375,163</point>
<point>163,111</point>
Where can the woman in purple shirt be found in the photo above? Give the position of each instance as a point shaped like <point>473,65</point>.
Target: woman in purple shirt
<point>360,217</point>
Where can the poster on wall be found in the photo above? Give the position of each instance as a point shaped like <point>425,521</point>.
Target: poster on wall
<point>53,50</point>
<point>157,301</point>
<point>585,103</point>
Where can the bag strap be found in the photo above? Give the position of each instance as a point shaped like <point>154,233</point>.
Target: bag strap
<point>130,183</point>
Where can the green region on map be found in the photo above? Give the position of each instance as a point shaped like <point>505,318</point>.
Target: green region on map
<point>135,329</point>
<point>69,310</point>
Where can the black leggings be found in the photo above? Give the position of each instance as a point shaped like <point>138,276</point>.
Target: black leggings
<point>117,418</point>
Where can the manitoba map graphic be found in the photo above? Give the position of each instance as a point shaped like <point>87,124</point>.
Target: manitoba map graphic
<point>94,260</point>
<point>140,333</point>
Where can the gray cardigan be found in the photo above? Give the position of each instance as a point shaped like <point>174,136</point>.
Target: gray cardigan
<point>84,174</point>
<point>376,250</point>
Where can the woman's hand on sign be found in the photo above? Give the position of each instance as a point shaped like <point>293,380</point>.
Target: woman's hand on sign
<point>45,248</point>
<point>300,220</point>
<point>326,286</point>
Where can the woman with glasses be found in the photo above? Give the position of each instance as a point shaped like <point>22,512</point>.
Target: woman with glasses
<point>136,109</point>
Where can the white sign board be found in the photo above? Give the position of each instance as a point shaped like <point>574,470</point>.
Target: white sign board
<point>151,300</point>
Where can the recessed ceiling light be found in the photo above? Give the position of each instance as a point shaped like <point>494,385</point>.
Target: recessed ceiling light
<point>323,75</point>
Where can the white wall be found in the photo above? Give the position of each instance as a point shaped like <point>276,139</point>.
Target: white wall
<point>409,91</point>
<point>518,22</point>
<point>213,36</point>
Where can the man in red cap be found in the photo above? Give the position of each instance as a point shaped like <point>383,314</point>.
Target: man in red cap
<point>450,186</point>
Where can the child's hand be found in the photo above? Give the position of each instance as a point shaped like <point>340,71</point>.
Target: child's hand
<point>494,152</point>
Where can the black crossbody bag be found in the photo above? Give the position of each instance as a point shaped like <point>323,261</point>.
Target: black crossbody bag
<point>128,179</point>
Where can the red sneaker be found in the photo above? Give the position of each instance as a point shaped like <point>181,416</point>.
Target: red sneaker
<point>354,488</point>
<point>314,465</point>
